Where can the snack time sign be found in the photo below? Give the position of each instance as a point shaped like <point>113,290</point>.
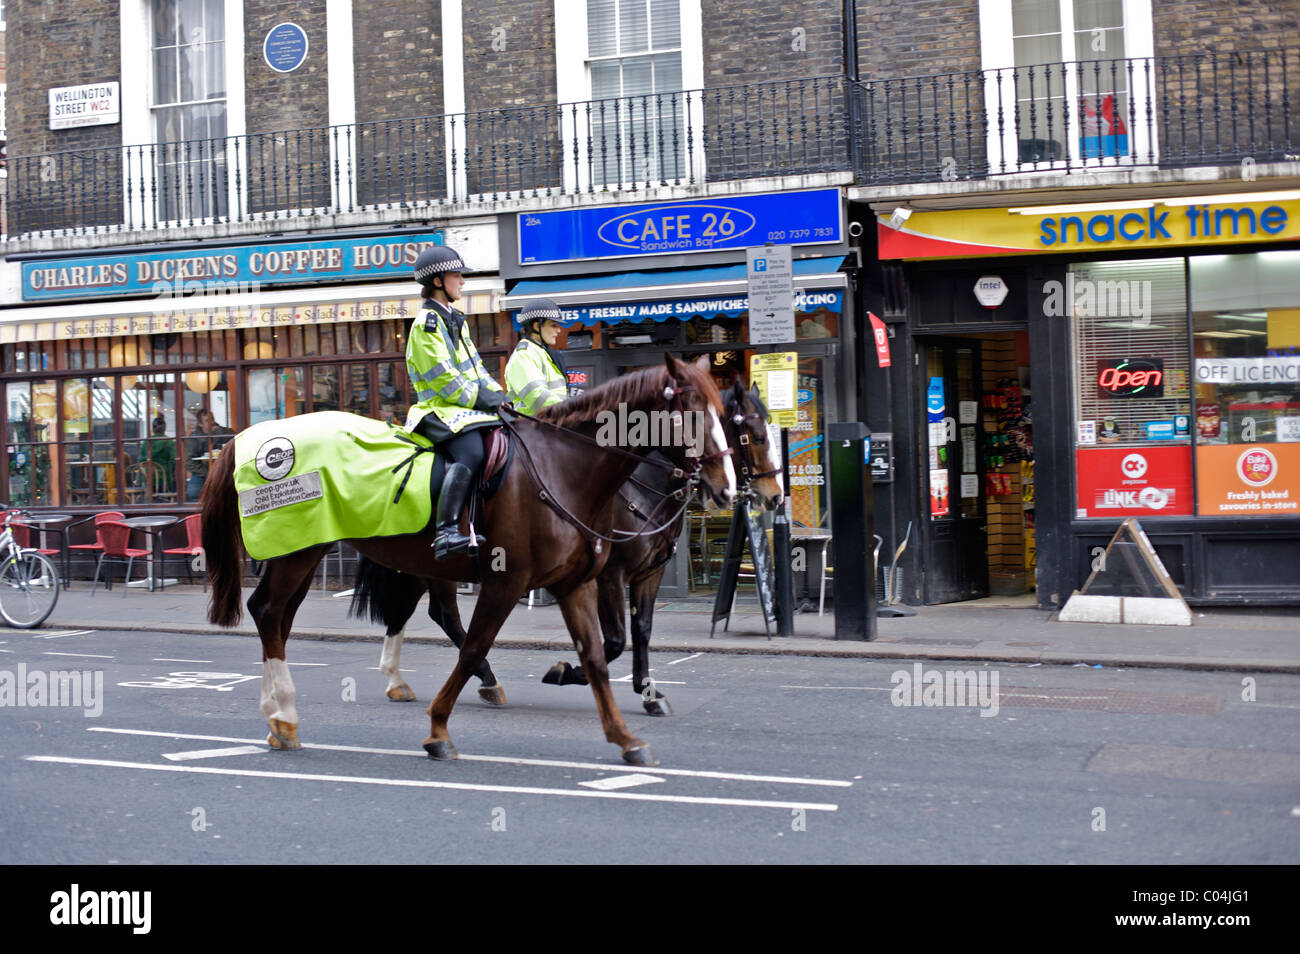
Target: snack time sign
<point>202,270</point>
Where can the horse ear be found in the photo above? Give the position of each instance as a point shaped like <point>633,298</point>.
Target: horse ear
<point>675,368</point>
<point>702,363</point>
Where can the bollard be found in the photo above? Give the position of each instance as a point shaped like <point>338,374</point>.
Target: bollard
<point>855,571</point>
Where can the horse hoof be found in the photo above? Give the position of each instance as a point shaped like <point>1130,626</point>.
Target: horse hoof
<point>658,707</point>
<point>283,735</point>
<point>441,751</point>
<point>641,755</point>
<point>492,695</point>
<point>555,675</point>
<point>402,693</point>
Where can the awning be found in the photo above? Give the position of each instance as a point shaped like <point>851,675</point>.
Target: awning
<point>681,293</point>
<point>319,304</point>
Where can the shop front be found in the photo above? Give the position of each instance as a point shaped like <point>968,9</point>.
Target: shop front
<point>1156,374</point>
<point>627,309</point>
<point>124,402</point>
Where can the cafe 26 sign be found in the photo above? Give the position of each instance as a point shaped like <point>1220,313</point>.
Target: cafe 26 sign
<point>673,228</point>
<point>1131,377</point>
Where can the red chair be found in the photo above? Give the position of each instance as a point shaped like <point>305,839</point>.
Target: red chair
<point>114,540</point>
<point>96,547</point>
<point>23,537</point>
<point>193,547</point>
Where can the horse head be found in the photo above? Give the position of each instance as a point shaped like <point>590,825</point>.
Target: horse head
<point>692,391</point>
<point>758,457</point>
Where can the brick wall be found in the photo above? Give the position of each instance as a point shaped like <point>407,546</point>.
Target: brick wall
<point>917,37</point>
<point>1190,26</point>
<point>288,171</point>
<point>746,42</point>
<point>52,43</point>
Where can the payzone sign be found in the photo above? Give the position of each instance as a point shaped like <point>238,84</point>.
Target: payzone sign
<point>1134,481</point>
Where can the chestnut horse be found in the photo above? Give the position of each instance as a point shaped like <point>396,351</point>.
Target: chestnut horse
<point>649,501</point>
<point>549,523</point>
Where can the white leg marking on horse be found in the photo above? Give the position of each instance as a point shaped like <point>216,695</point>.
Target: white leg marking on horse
<point>390,659</point>
<point>278,692</point>
<point>720,441</point>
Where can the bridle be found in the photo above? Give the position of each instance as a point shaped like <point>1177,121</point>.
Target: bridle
<point>748,476</point>
<point>690,478</point>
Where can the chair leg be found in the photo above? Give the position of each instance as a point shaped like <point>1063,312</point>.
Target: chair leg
<point>126,582</point>
<point>821,599</point>
<point>95,583</point>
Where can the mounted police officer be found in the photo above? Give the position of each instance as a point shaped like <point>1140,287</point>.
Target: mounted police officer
<point>457,397</point>
<point>535,375</point>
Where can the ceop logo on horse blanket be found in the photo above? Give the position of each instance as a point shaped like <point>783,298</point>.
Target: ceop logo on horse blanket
<point>275,458</point>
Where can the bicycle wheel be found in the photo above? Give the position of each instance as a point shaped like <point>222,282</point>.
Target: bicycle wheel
<point>29,588</point>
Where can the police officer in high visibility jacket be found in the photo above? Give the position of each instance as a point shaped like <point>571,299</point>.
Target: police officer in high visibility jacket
<point>456,395</point>
<point>535,375</point>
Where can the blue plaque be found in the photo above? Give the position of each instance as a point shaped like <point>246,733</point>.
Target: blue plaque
<point>674,228</point>
<point>285,47</point>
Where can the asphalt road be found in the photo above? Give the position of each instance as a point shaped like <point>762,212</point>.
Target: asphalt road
<point>766,760</point>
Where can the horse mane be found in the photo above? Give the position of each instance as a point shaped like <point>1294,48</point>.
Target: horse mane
<point>627,389</point>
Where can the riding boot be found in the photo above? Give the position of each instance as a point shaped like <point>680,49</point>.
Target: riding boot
<point>447,538</point>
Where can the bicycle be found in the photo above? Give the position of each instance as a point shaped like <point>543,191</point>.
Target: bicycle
<point>29,583</point>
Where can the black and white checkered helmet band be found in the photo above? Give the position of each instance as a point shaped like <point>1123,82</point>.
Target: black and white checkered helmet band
<point>436,261</point>
<point>540,310</point>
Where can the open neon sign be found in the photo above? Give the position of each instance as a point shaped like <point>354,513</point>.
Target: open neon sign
<point>1131,377</point>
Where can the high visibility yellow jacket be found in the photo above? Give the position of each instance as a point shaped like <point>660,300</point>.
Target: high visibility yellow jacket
<point>449,378</point>
<point>533,380</point>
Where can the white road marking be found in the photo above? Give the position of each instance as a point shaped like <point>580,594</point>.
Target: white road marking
<point>71,632</point>
<point>658,682</point>
<point>82,655</point>
<point>620,781</point>
<point>550,763</point>
<point>163,659</point>
<point>377,669</point>
<point>858,688</point>
<point>343,593</point>
<point>456,786</point>
<point>1295,812</point>
<point>685,658</point>
<point>214,753</point>
<point>260,661</point>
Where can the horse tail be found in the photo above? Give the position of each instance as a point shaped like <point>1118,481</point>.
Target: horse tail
<point>387,597</point>
<point>223,547</point>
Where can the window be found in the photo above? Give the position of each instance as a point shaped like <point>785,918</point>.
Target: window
<point>1246,337</point>
<point>189,108</point>
<point>1132,386</point>
<point>1068,66</point>
<point>634,59</point>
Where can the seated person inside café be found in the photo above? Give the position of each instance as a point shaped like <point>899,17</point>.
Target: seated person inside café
<point>160,449</point>
<point>200,447</point>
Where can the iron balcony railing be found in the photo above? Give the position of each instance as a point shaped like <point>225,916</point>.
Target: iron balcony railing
<point>1166,111</point>
<point>624,145</point>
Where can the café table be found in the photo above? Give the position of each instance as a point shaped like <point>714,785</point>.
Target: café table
<point>152,526</point>
<point>47,523</point>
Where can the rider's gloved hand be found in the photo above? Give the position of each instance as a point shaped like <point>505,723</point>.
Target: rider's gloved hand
<point>489,400</point>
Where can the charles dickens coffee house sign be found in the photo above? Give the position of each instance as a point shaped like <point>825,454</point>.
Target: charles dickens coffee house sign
<point>202,271</point>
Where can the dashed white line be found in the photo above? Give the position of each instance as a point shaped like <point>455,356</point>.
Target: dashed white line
<point>620,781</point>
<point>80,655</point>
<point>423,783</point>
<point>213,753</point>
<point>160,659</point>
<point>73,632</point>
<point>857,688</point>
<point>550,763</point>
<point>685,659</point>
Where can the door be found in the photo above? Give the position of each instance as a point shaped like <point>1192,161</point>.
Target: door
<point>955,537</point>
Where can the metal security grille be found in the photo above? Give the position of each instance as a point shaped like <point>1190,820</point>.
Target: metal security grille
<point>1129,310</point>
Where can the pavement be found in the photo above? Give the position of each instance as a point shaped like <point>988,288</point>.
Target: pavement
<point>996,630</point>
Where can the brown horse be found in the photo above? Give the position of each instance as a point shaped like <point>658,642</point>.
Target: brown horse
<point>549,521</point>
<point>635,569</point>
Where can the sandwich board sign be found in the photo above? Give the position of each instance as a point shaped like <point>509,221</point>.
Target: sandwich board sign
<point>1128,584</point>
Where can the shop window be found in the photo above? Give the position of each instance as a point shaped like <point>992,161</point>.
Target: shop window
<point>1132,386</point>
<point>275,393</point>
<point>630,334</point>
<point>1246,334</point>
<point>32,418</point>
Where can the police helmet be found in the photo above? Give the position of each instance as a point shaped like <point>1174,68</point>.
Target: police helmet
<point>539,310</point>
<point>437,261</point>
